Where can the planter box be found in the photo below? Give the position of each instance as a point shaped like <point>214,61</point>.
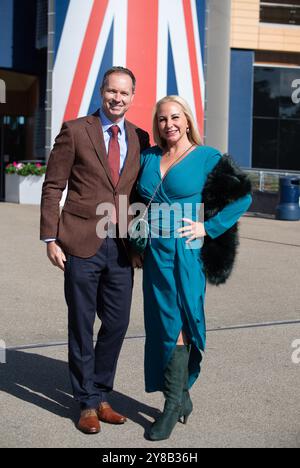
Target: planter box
<point>23,190</point>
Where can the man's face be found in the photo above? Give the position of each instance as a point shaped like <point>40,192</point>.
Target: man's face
<point>117,96</point>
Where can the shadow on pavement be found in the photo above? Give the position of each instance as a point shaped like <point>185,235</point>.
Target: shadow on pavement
<point>44,382</point>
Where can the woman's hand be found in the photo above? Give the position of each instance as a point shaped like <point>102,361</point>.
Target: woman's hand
<point>194,230</point>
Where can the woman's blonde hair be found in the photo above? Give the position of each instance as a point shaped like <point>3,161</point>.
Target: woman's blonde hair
<point>193,135</point>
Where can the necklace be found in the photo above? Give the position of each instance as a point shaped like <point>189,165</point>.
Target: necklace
<point>170,166</point>
<point>181,155</point>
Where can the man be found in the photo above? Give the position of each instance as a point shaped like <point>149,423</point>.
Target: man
<point>99,157</point>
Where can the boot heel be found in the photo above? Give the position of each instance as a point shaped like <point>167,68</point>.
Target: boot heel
<point>187,408</point>
<point>183,419</point>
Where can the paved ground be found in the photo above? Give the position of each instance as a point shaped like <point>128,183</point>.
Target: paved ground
<point>248,393</point>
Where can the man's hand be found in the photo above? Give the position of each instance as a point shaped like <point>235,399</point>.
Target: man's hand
<point>136,260</point>
<point>56,255</point>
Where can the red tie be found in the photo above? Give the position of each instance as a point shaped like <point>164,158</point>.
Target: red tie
<point>114,154</point>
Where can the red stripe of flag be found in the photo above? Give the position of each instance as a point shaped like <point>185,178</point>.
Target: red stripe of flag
<point>194,64</point>
<point>142,44</point>
<point>85,59</point>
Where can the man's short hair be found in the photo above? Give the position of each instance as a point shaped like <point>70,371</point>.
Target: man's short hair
<point>124,71</point>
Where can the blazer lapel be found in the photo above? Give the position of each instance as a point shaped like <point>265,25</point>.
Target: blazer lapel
<point>132,151</point>
<point>94,130</point>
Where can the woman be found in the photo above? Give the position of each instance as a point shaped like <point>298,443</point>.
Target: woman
<point>174,277</point>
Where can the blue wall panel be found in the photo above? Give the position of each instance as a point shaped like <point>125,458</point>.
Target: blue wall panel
<point>6,33</point>
<point>61,8</point>
<point>172,81</point>
<point>241,107</point>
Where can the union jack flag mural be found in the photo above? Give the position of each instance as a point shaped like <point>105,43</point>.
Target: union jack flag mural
<point>161,41</point>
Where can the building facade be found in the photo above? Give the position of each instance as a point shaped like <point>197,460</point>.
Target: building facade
<point>237,62</point>
<point>264,122</point>
<point>54,54</point>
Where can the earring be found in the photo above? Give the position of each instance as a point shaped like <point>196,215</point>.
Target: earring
<point>188,130</point>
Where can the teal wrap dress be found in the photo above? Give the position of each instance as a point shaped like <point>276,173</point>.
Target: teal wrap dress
<point>174,281</point>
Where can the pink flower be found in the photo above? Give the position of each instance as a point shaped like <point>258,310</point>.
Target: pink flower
<point>20,166</point>
<point>38,165</point>
<point>15,164</point>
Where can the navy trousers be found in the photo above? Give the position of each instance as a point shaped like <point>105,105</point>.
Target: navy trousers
<point>101,284</point>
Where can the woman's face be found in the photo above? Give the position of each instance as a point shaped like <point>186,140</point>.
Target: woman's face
<point>172,123</point>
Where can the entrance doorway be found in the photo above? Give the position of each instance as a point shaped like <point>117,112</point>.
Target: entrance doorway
<point>2,163</point>
<point>20,134</point>
<point>13,144</point>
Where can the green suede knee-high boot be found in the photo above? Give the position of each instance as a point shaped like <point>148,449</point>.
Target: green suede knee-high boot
<point>175,379</point>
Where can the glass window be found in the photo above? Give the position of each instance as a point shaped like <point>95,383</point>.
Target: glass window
<point>14,138</point>
<point>265,141</point>
<point>267,91</point>
<point>288,109</point>
<point>276,119</point>
<point>280,12</point>
<point>289,149</point>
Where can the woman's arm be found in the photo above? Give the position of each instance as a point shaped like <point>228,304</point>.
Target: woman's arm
<point>226,218</point>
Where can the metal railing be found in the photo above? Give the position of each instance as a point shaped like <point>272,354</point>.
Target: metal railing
<point>267,181</point>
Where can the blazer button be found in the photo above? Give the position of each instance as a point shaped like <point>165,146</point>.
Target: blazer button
<point>115,193</point>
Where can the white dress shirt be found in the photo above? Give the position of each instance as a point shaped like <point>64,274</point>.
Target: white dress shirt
<point>122,137</point>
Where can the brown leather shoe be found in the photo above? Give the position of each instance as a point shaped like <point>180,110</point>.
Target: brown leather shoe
<point>108,415</point>
<point>89,422</point>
